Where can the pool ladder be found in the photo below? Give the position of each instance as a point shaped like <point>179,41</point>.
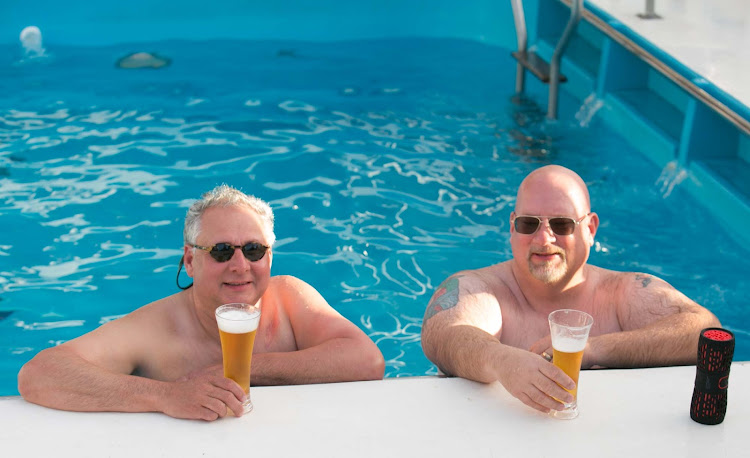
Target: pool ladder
<point>531,61</point>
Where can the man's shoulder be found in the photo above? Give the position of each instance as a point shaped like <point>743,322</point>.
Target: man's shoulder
<point>156,312</point>
<point>489,278</point>
<point>285,288</point>
<point>608,278</point>
<point>286,282</point>
<point>623,287</point>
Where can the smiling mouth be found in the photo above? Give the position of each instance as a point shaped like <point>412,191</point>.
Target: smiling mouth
<point>241,283</point>
<point>545,255</point>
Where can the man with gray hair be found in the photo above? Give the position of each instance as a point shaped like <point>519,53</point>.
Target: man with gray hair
<point>166,356</point>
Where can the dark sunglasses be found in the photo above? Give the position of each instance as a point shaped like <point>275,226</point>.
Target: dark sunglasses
<point>560,225</point>
<point>223,252</point>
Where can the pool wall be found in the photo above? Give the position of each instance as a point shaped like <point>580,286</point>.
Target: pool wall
<point>676,130</point>
<point>87,23</point>
<point>672,127</point>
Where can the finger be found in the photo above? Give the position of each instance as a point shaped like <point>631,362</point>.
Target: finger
<point>208,414</point>
<point>215,405</point>
<point>552,397</point>
<point>550,388</point>
<point>553,401</point>
<point>531,403</point>
<point>229,398</point>
<point>231,386</point>
<point>557,375</point>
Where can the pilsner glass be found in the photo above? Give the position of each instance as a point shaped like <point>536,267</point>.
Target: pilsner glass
<point>569,330</point>
<point>238,324</point>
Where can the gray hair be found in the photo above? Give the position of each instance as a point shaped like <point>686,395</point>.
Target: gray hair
<point>226,196</point>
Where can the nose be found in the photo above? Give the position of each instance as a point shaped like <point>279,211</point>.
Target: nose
<point>545,233</point>
<point>238,262</point>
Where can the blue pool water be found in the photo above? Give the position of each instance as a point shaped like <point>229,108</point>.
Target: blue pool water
<point>390,164</point>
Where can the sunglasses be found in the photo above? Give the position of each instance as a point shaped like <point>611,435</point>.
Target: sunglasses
<point>560,225</point>
<point>223,252</point>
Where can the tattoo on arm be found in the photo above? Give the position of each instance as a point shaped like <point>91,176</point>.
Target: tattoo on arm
<point>644,279</point>
<point>445,297</point>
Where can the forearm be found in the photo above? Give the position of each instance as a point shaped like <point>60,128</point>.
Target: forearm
<point>60,379</point>
<point>336,360</point>
<point>670,341</point>
<point>465,351</point>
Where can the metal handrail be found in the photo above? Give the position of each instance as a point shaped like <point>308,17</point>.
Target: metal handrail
<point>554,75</point>
<point>726,112</point>
<point>554,69</point>
<point>522,37</point>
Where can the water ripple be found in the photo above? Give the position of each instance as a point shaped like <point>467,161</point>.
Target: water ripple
<point>383,181</point>
<point>44,326</point>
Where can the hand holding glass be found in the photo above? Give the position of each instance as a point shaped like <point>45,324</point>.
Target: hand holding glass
<point>238,324</point>
<point>569,330</point>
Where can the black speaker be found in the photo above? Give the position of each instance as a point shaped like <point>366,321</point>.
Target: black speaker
<point>715,352</point>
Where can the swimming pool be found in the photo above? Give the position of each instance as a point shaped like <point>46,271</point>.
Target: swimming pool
<point>390,164</point>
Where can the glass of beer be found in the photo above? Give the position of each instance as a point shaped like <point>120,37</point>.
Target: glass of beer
<point>570,331</point>
<point>238,324</point>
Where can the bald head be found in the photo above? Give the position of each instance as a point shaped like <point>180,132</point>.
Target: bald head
<point>553,190</point>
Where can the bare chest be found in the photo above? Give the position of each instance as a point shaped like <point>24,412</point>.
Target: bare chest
<point>522,326</point>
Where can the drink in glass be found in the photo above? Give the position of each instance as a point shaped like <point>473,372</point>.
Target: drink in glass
<point>238,324</point>
<point>569,330</point>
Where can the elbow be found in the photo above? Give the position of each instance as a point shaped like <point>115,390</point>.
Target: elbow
<point>370,362</point>
<point>379,367</point>
<point>714,321</point>
<point>374,367</point>
<point>36,382</point>
<point>709,320</point>
<point>28,381</point>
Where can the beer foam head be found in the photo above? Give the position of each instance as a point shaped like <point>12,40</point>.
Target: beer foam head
<point>237,321</point>
<point>568,345</point>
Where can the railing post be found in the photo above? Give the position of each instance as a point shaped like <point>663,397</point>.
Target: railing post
<point>650,12</point>
<point>576,10</point>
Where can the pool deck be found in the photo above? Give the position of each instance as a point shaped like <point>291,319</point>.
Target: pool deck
<point>710,37</point>
<point>624,413</point>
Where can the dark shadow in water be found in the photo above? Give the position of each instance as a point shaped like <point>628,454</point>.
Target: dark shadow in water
<point>288,52</point>
<point>528,138</point>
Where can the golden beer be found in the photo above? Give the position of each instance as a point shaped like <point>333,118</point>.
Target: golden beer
<point>569,330</point>
<point>237,353</point>
<point>570,363</point>
<point>238,324</point>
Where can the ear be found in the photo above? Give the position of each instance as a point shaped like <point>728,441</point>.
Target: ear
<point>592,226</point>
<point>187,254</point>
<point>512,216</point>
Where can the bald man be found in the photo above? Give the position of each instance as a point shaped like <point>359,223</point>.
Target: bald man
<point>491,323</point>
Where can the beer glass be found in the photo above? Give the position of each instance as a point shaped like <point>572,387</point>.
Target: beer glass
<point>569,330</point>
<point>238,324</point>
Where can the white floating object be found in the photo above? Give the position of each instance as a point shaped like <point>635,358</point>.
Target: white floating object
<point>31,40</point>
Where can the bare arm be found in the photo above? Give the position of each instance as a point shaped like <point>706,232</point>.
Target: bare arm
<point>330,347</point>
<point>660,327</point>
<point>58,377</point>
<point>93,373</point>
<point>458,335</point>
